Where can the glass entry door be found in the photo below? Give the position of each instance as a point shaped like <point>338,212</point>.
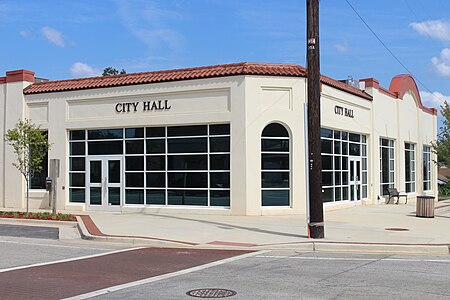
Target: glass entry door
<point>104,182</point>
<point>355,178</point>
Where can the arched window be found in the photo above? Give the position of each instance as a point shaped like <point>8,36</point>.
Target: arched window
<point>275,166</point>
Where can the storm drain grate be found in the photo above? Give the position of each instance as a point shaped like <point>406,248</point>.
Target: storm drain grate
<point>211,293</point>
<point>396,229</point>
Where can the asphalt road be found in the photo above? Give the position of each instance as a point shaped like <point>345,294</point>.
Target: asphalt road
<point>53,269</point>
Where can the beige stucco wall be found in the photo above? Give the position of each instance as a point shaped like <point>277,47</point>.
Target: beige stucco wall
<point>248,103</point>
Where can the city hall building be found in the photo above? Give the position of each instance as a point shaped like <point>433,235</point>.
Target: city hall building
<point>225,139</point>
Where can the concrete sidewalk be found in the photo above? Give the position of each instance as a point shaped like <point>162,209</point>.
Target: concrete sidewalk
<point>376,228</point>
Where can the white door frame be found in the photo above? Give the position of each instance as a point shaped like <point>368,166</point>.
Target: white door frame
<point>103,183</point>
<point>355,169</point>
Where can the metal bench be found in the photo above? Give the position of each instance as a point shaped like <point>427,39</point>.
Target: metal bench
<point>394,193</point>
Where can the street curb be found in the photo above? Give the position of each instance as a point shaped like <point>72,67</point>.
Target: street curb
<point>309,246</point>
<point>86,235</point>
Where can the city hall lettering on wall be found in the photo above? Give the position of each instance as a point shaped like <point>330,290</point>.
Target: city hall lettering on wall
<point>342,111</point>
<point>126,107</point>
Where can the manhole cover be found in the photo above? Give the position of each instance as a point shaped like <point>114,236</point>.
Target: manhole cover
<point>211,293</point>
<point>396,229</point>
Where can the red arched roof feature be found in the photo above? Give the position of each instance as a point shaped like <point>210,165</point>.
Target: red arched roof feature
<point>400,84</point>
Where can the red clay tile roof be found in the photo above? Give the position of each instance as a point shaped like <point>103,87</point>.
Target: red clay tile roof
<point>245,68</point>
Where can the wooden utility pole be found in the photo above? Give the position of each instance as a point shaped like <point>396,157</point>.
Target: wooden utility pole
<point>315,226</point>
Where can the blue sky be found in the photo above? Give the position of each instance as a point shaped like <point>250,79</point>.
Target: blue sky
<point>70,39</point>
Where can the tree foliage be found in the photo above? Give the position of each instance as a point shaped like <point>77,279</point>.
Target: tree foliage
<point>442,145</point>
<point>30,147</point>
<point>109,71</point>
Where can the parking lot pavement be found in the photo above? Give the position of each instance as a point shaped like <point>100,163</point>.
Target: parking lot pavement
<point>38,232</point>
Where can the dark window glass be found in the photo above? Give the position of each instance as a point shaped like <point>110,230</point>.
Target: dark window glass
<point>134,147</point>
<point>134,196</point>
<point>219,144</point>
<point>37,180</point>
<point>337,178</point>
<point>114,196</point>
<point>345,193</point>
<point>156,197</point>
<point>327,178</point>
<point>219,198</point>
<point>188,180</point>
<point>220,129</point>
<point>327,195</point>
<point>134,133</point>
<point>187,130</point>
<point>344,163</point>
<point>155,132</point>
<point>385,165</point>
<point>354,137</point>
<point>344,135</point>
<point>327,162</point>
<point>77,148</point>
<point>187,162</point>
<point>156,180</point>
<point>102,134</point>
<point>134,179</point>
<point>275,162</point>
<point>134,163</point>
<point>326,146</point>
<point>187,197</point>
<point>114,171</point>
<point>337,135</point>
<point>189,145</point>
<point>77,164</point>
<point>385,142</point>
<point>275,130</point>
<point>156,146</point>
<point>95,171</point>
<point>326,133</point>
<point>337,147</point>
<point>337,194</point>
<point>344,148</point>
<point>275,179</point>
<point>104,148</point>
<point>156,162</point>
<point>275,145</point>
<point>337,163</point>
<point>219,161</point>
<point>77,179</point>
<point>355,149</point>
<point>220,180</point>
<point>344,178</point>
<point>77,195</point>
<point>275,198</point>
<point>95,196</point>
<point>77,135</point>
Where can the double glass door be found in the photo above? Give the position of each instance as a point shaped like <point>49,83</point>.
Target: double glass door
<point>105,182</point>
<point>355,178</point>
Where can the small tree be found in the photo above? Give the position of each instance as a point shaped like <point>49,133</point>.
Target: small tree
<point>442,145</point>
<point>30,147</point>
<point>109,71</point>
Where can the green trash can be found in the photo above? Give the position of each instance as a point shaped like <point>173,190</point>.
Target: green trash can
<point>425,206</point>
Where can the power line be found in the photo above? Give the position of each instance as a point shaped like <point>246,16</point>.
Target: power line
<point>390,52</point>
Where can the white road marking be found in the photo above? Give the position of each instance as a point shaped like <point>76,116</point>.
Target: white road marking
<point>52,245</point>
<point>161,277</point>
<point>67,260</point>
<point>354,259</point>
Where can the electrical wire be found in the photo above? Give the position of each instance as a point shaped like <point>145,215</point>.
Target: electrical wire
<point>392,53</point>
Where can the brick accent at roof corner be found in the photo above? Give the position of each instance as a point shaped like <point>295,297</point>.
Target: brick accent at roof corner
<point>244,68</point>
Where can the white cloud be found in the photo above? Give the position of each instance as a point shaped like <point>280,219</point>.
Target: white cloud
<point>436,29</point>
<point>150,24</point>
<point>23,33</point>
<point>53,36</point>
<point>442,63</point>
<point>434,99</point>
<point>80,69</point>
<point>340,47</point>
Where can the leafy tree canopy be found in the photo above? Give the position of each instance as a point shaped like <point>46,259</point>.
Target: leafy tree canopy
<point>110,71</point>
<point>442,145</point>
